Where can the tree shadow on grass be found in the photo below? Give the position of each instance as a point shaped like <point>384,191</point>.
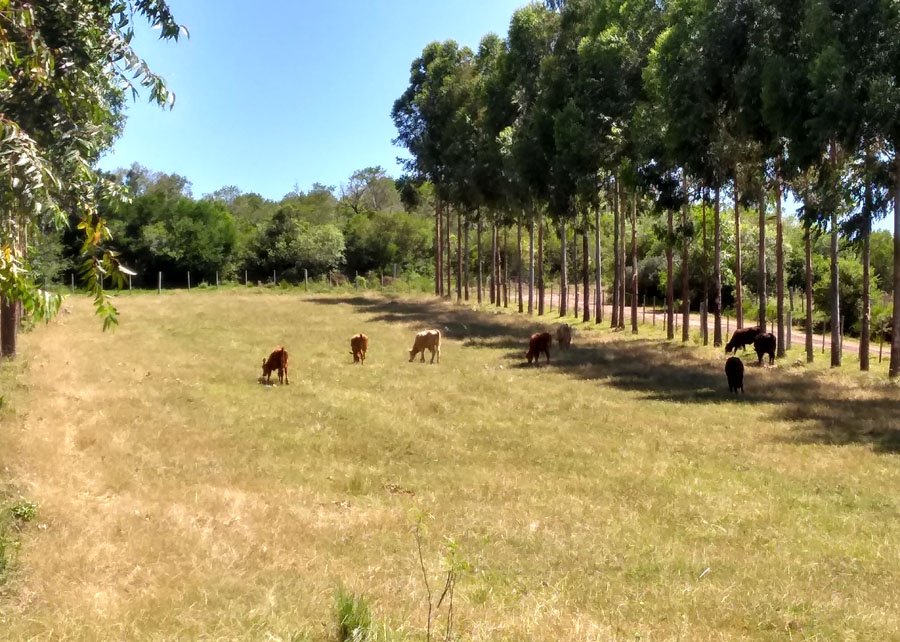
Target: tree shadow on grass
<point>822,411</point>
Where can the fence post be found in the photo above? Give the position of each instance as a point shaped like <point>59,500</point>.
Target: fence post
<point>306,279</point>
<point>551,298</point>
<point>654,311</point>
<point>129,283</point>
<point>73,283</point>
<point>727,325</point>
<point>189,280</point>
<point>217,278</point>
<point>395,271</point>
<point>159,283</point>
<point>823,337</point>
<point>246,282</point>
<point>274,278</point>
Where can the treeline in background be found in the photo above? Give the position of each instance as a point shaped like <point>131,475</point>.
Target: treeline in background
<point>375,230</point>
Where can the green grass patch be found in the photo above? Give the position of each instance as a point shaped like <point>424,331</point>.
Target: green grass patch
<point>619,493</point>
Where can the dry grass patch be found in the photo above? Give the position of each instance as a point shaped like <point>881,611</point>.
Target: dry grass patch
<point>619,492</point>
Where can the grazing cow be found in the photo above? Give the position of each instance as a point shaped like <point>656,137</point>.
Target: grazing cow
<point>765,344</point>
<point>742,338</point>
<point>278,360</point>
<point>564,336</point>
<point>734,370</point>
<point>539,343</point>
<point>427,340</point>
<point>358,346</point>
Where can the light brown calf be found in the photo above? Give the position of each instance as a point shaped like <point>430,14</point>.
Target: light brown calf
<point>427,340</point>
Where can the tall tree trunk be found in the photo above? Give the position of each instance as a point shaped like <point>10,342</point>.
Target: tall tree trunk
<point>575,266</point>
<point>448,270</point>
<point>866,261</point>
<point>704,317</point>
<point>540,265</point>
<point>894,371</point>
<point>438,251</point>
<point>717,269</point>
<point>480,259</point>
<point>623,261</point>
<point>614,318</point>
<point>738,263</point>
<point>8,327</point>
<point>459,257</point>
<point>807,239</point>
<point>531,263</point>
<point>835,295</point>
<point>598,285</point>
<point>563,272</point>
<point>493,264</point>
<point>504,257</point>
<point>761,263</point>
<point>779,264</point>
<point>634,266</point>
<point>685,269</point>
<point>586,258</point>
<point>519,264</point>
<point>670,277</point>
<point>467,257</point>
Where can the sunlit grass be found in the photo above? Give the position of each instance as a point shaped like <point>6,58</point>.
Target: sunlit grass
<point>619,492</point>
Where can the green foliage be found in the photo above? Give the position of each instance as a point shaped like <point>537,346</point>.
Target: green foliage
<point>23,511</point>
<point>66,69</point>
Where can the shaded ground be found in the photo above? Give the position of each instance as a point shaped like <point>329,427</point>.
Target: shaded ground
<point>824,409</point>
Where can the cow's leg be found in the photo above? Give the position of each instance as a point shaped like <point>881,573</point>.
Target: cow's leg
<point>286,381</point>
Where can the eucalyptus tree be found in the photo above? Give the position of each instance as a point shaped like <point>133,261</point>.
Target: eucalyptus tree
<point>880,24</point>
<point>532,33</point>
<point>833,126</point>
<point>66,70</point>
<point>434,124</point>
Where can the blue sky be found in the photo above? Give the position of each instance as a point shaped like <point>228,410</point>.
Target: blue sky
<point>277,93</point>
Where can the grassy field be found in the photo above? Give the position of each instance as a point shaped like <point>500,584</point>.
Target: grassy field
<point>618,494</point>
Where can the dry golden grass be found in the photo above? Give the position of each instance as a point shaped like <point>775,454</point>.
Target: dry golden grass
<point>619,493</point>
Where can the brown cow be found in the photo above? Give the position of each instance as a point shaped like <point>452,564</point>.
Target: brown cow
<point>358,346</point>
<point>539,342</point>
<point>278,360</point>
<point>564,336</point>
<point>427,340</point>
<point>742,338</point>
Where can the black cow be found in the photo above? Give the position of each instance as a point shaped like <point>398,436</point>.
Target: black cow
<point>734,370</point>
<point>765,344</point>
<point>742,338</point>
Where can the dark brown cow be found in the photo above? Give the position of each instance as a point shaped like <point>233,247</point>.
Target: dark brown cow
<point>278,360</point>
<point>734,370</point>
<point>765,344</point>
<point>358,346</point>
<point>742,338</point>
<point>539,342</point>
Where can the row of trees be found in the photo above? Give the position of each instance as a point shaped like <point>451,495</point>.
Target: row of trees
<point>649,109</point>
<point>362,228</point>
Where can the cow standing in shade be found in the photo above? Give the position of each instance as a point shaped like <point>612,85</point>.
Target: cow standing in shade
<point>539,343</point>
<point>564,336</point>
<point>359,344</point>
<point>734,370</point>
<point>742,338</point>
<point>427,340</point>
<point>765,344</point>
<point>278,360</point>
